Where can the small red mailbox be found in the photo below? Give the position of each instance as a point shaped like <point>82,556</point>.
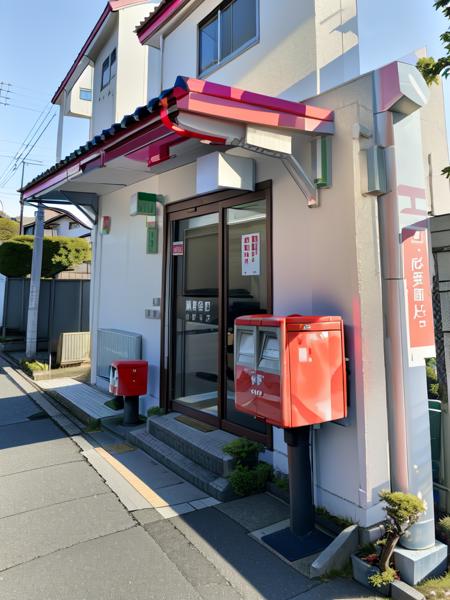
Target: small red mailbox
<point>290,371</point>
<point>128,377</point>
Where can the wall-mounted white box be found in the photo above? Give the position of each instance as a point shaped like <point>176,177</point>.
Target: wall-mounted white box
<point>219,171</point>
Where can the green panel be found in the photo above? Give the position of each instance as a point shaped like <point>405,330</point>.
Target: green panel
<point>152,240</point>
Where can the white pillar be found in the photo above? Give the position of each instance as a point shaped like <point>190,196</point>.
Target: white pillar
<point>409,334</point>
<point>59,137</point>
<point>35,284</point>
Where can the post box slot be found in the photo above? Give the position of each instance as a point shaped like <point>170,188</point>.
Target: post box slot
<point>269,350</point>
<point>113,377</point>
<point>246,347</point>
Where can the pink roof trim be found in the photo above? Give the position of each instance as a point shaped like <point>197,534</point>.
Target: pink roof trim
<point>111,6</point>
<point>158,18</point>
<point>162,128</point>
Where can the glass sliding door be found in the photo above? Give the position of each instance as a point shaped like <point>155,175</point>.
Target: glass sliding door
<point>218,269</point>
<point>246,286</point>
<point>195,377</point>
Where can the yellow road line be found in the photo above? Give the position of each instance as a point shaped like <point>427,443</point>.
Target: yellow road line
<point>151,496</point>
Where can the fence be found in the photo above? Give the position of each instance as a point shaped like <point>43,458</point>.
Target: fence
<point>63,306</point>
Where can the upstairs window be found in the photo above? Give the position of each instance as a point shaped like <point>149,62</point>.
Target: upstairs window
<point>85,94</point>
<point>106,74</point>
<point>229,30</point>
<point>109,69</point>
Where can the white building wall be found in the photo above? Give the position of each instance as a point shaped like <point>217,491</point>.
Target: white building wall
<point>325,261</point>
<point>75,106</point>
<point>132,65</point>
<point>104,101</point>
<point>293,55</point>
<point>65,230</point>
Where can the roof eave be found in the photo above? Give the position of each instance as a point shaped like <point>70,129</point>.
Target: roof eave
<point>158,20</point>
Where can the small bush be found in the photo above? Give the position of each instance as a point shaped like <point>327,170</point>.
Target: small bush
<point>33,365</point>
<point>155,411</point>
<point>443,529</point>
<point>382,578</point>
<point>245,481</point>
<point>339,521</point>
<point>244,451</point>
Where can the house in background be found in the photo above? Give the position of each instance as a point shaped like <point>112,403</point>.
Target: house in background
<point>270,131</point>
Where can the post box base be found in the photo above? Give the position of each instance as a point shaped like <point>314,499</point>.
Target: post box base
<point>131,410</point>
<point>293,547</point>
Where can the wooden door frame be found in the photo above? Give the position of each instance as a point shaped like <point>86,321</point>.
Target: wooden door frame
<point>197,206</point>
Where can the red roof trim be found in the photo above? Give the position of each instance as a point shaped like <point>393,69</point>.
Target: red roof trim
<point>112,6</point>
<point>157,18</point>
<point>158,123</point>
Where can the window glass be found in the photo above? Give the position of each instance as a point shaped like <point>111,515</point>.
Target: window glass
<point>243,22</point>
<point>85,94</point>
<point>113,63</point>
<point>208,46</point>
<point>226,31</point>
<point>105,73</point>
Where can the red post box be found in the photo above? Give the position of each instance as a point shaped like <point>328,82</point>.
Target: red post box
<point>128,377</point>
<point>290,371</point>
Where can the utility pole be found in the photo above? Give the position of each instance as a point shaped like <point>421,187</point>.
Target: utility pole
<point>35,284</point>
<point>25,162</point>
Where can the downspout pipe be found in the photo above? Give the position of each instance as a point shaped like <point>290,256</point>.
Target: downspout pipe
<point>400,92</point>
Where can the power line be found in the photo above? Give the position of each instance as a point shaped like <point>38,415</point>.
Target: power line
<point>39,126</point>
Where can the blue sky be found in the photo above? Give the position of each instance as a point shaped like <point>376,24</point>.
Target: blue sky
<point>39,41</point>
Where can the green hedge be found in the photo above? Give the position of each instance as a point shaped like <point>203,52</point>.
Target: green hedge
<point>8,229</point>
<point>59,254</point>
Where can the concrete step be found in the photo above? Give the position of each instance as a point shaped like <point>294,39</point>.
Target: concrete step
<point>206,480</point>
<point>203,448</point>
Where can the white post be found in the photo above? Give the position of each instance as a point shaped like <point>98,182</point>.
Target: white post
<point>59,137</point>
<point>35,284</point>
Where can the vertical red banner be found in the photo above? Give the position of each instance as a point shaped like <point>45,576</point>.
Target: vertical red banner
<point>418,287</point>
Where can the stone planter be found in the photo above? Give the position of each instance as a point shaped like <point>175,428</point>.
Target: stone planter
<point>361,573</point>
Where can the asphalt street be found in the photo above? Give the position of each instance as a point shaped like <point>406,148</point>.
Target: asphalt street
<point>66,535</point>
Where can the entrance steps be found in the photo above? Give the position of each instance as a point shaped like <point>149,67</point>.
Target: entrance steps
<point>195,455</point>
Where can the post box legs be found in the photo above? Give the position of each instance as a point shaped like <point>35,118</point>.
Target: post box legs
<point>130,410</point>
<point>300,488</point>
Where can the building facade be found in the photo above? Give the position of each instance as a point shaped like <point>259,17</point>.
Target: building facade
<point>270,132</point>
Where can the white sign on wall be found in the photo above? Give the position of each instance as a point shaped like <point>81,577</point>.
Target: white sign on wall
<point>250,254</point>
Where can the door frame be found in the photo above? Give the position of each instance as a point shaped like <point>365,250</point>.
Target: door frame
<point>196,206</point>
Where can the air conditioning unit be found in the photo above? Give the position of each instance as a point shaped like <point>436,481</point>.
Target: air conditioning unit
<point>73,348</point>
<point>115,344</point>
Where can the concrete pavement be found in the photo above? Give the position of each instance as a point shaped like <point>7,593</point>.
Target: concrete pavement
<point>66,532</point>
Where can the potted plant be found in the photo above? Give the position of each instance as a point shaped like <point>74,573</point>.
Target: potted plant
<point>373,566</point>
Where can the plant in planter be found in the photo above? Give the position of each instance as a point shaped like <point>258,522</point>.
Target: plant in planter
<point>402,511</point>
<point>244,451</point>
<point>248,476</point>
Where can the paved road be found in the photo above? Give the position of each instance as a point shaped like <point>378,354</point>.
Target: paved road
<point>65,535</point>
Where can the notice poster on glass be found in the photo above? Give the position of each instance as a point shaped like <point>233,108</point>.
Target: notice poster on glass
<point>250,254</point>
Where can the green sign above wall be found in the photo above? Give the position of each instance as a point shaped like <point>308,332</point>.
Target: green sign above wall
<point>143,203</point>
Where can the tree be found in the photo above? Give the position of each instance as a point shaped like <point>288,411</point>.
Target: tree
<point>59,254</point>
<point>8,229</point>
<point>432,69</point>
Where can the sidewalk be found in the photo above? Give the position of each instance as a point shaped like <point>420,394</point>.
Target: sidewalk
<point>87,516</point>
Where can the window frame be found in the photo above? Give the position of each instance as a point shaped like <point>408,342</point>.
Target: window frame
<point>217,12</point>
<point>108,69</point>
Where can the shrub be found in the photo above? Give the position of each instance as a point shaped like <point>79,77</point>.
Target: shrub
<point>58,254</point>
<point>155,411</point>
<point>244,451</point>
<point>8,229</point>
<point>246,481</point>
<point>443,529</point>
<point>403,511</point>
<point>382,578</point>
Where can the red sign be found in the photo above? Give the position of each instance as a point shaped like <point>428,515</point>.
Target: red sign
<point>418,288</point>
<point>416,268</point>
<point>177,248</point>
